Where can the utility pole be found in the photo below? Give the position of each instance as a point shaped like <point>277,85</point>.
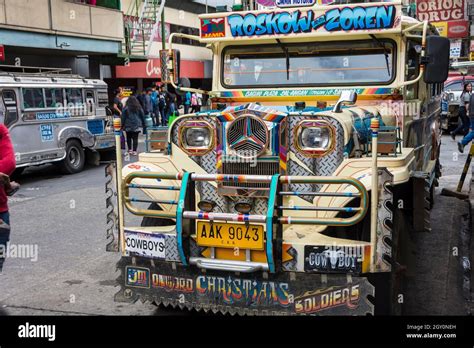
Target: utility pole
<point>163,36</point>
<point>163,29</point>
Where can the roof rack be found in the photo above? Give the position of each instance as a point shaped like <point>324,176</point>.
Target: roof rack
<point>18,70</point>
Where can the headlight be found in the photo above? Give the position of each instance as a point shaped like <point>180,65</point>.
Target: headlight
<point>314,138</point>
<point>196,137</point>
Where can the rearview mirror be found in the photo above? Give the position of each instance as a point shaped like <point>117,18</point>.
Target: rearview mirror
<point>437,59</point>
<point>346,97</point>
<point>170,66</point>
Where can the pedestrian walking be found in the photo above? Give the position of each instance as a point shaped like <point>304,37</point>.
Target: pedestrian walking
<point>148,109</point>
<point>463,102</point>
<point>170,107</point>
<point>199,101</point>
<point>162,104</point>
<point>194,103</point>
<point>7,166</point>
<point>156,109</point>
<point>470,136</point>
<point>133,119</point>
<point>117,106</point>
<point>187,102</point>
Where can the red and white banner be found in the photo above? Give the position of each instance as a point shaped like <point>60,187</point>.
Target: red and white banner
<point>458,29</point>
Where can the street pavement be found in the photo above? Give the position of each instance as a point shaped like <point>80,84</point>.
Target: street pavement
<point>74,275</point>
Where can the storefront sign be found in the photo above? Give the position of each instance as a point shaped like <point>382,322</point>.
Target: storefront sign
<point>470,10</point>
<point>441,10</point>
<point>458,29</point>
<point>455,49</point>
<point>2,53</point>
<point>442,28</point>
<point>151,69</point>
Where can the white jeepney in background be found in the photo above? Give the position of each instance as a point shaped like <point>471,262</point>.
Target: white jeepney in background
<point>299,191</point>
<point>55,118</point>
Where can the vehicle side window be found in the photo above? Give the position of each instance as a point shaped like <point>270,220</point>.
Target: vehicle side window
<point>455,86</point>
<point>90,94</point>
<point>412,72</point>
<point>11,111</point>
<point>74,95</point>
<point>54,96</point>
<point>33,98</point>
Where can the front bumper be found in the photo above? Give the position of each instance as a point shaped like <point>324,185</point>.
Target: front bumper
<point>104,142</point>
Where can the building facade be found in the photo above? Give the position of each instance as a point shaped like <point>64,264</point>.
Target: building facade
<point>85,36</point>
<point>144,69</point>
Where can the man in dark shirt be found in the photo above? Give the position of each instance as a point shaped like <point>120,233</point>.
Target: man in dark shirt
<point>118,106</point>
<point>470,136</point>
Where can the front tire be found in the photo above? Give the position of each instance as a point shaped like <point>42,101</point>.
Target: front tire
<point>75,158</point>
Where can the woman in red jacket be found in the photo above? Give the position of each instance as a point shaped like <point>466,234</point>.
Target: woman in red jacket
<point>7,166</point>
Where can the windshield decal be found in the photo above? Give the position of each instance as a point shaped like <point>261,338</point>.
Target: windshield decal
<point>303,92</point>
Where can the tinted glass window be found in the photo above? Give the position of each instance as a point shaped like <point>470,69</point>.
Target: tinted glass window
<point>10,107</point>
<point>74,95</point>
<point>53,96</point>
<point>33,98</point>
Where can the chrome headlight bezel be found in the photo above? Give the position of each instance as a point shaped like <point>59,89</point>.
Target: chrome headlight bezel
<point>193,150</point>
<point>314,151</point>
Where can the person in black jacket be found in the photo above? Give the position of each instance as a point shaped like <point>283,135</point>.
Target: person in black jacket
<point>133,119</point>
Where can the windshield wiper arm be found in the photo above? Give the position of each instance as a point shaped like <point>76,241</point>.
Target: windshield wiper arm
<point>385,52</point>
<point>287,55</point>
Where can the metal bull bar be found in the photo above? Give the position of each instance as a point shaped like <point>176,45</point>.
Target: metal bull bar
<point>185,212</point>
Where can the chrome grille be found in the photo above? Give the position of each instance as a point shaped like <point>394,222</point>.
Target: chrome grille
<point>247,136</point>
<point>261,168</point>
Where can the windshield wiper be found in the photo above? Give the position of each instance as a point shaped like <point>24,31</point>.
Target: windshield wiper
<point>287,55</point>
<point>385,52</point>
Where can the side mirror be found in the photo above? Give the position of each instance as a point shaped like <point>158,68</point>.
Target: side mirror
<point>184,82</point>
<point>437,59</point>
<point>170,66</point>
<point>346,97</point>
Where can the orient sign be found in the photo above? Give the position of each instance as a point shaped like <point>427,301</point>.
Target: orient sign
<point>458,29</point>
<point>441,10</point>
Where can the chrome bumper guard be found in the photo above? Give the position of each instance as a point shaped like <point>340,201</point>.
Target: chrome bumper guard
<point>273,220</point>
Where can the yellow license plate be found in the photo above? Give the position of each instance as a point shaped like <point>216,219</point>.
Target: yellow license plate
<point>224,235</point>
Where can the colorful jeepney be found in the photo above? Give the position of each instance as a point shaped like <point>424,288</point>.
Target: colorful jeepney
<point>299,191</point>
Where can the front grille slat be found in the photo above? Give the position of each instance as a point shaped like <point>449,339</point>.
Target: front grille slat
<point>260,168</point>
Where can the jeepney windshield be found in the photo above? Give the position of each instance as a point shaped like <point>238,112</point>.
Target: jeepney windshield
<point>310,64</point>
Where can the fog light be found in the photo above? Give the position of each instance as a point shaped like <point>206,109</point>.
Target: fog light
<point>243,207</point>
<point>206,206</point>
